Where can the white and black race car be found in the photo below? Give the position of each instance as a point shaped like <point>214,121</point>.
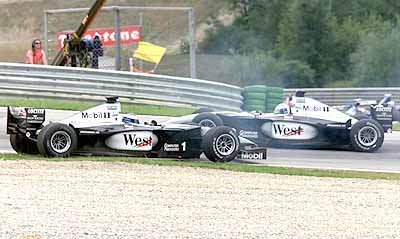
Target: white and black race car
<point>382,111</point>
<point>103,130</point>
<point>301,123</point>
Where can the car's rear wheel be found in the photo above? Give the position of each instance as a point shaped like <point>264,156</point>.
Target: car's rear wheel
<point>57,140</point>
<point>202,110</point>
<point>207,119</point>
<point>21,144</point>
<point>221,144</point>
<point>366,135</point>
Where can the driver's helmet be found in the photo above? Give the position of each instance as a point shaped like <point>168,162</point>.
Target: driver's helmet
<point>282,108</point>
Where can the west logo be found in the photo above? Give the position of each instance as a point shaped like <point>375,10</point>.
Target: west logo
<point>96,115</point>
<point>136,141</point>
<point>282,129</point>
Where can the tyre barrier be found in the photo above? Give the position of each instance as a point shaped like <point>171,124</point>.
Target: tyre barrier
<point>255,89</point>
<point>254,98</point>
<point>261,98</point>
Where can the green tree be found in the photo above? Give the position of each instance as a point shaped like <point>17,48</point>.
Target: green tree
<point>377,59</point>
<point>263,17</point>
<point>306,33</point>
<point>254,29</point>
<point>317,35</point>
<point>231,39</point>
<point>362,9</point>
<point>346,37</point>
<point>260,68</point>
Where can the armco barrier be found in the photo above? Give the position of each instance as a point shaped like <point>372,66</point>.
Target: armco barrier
<point>80,83</point>
<point>37,81</point>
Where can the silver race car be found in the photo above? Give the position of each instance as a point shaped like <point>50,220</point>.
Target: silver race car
<point>301,122</point>
<point>103,130</point>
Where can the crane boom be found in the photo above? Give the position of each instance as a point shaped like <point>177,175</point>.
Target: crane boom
<point>60,59</point>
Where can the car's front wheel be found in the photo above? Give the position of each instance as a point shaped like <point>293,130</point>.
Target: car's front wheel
<point>57,140</point>
<point>366,135</point>
<point>221,144</point>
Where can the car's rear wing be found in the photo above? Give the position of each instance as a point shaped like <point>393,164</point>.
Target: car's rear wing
<point>384,115</point>
<point>22,120</point>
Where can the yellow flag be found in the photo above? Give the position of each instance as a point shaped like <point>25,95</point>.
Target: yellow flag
<point>149,52</point>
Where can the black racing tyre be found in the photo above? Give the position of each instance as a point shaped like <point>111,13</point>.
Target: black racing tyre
<point>16,141</point>
<point>21,144</point>
<point>202,110</point>
<point>221,144</point>
<point>366,135</point>
<point>207,119</point>
<point>57,140</point>
<point>255,88</point>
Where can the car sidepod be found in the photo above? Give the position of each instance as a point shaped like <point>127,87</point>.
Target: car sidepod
<point>247,127</point>
<point>179,143</point>
<point>300,134</point>
<point>282,132</point>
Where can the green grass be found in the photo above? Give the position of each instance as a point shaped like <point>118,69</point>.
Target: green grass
<point>81,105</point>
<point>218,166</point>
<point>396,126</point>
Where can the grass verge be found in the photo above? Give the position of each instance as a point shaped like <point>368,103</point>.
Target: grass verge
<point>220,166</point>
<point>396,126</point>
<point>82,105</point>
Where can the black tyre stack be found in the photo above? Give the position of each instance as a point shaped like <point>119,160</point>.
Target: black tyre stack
<point>261,98</point>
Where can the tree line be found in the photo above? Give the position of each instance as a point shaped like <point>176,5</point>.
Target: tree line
<point>311,43</point>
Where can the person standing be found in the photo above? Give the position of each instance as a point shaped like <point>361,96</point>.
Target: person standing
<point>98,51</point>
<point>36,55</point>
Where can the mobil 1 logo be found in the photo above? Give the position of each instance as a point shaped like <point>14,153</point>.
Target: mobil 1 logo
<point>254,154</point>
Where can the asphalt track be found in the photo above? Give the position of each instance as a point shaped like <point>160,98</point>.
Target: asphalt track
<point>386,159</point>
